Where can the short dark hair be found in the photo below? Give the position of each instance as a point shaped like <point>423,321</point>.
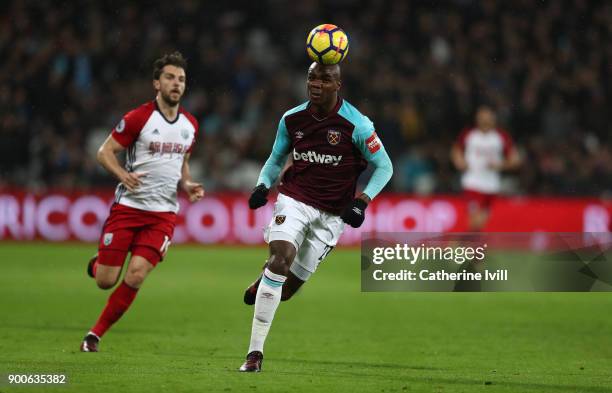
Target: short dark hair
<point>176,59</point>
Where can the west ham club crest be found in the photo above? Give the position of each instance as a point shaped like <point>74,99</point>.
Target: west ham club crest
<point>333,137</point>
<point>279,220</point>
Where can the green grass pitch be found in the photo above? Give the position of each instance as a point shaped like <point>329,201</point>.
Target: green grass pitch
<point>188,331</point>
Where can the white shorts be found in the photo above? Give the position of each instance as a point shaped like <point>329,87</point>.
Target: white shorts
<point>313,232</point>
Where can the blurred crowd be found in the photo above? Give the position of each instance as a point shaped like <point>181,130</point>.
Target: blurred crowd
<point>418,69</point>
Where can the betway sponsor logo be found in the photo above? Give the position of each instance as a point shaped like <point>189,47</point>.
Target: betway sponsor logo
<point>313,156</point>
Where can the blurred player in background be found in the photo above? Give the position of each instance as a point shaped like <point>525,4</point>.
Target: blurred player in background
<point>331,143</point>
<point>482,153</point>
<point>158,138</point>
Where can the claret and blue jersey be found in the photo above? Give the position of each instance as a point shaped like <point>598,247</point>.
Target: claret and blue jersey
<point>328,156</point>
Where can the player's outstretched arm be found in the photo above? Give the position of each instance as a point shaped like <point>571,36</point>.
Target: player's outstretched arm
<point>383,170</point>
<point>194,190</point>
<point>272,168</point>
<point>274,164</point>
<point>107,157</point>
<point>374,152</point>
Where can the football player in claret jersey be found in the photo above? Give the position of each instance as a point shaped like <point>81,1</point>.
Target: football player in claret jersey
<point>482,153</point>
<point>330,143</point>
<point>158,138</point>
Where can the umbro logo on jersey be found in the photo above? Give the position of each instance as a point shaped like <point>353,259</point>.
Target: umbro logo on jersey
<point>184,133</point>
<point>155,132</point>
<point>313,156</point>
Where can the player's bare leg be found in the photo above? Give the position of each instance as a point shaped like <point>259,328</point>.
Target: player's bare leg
<point>107,276</point>
<point>267,299</point>
<point>138,269</point>
<point>120,300</point>
<point>292,285</point>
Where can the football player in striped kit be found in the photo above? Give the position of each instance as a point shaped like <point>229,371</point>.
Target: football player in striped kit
<point>158,138</point>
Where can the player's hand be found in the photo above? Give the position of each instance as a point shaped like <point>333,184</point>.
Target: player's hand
<point>131,180</point>
<point>259,197</point>
<point>354,213</point>
<point>195,191</point>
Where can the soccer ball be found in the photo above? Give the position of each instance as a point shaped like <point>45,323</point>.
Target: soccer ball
<point>327,44</point>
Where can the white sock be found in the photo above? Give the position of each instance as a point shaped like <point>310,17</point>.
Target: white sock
<point>266,302</point>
